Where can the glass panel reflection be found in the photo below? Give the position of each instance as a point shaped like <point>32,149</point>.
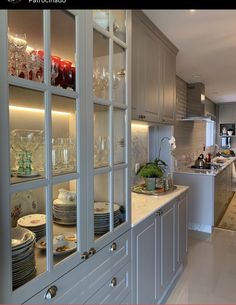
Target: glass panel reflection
<point>101,205</point>
<point>64,220</point>
<point>118,75</point>
<point>101,17</point>
<point>119,24</point>
<point>101,135</point>
<point>63,135</point>
<point>63,49</point>
<point>100,65</point>
<point>28,226</point>
<point>119,196</point>
<point>26,111</point>
<point>119,136</point>
<point>25,44</point>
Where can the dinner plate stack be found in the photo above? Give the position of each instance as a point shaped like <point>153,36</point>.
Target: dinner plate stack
<point>35,223</point>
<point>102,217</point>
<point>64,212</point>
<point>23,260</point>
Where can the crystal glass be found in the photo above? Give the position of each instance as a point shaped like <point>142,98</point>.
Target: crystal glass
<point>119,75</point>
<point>17,63</point>
<point>63,40</point>
<point>24,142</point>
<point>101,135</point>
<point>55,63</point>
<point>100,65</point>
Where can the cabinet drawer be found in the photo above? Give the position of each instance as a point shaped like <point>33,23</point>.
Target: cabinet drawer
<point>114,289</point>
<point>83,281</point>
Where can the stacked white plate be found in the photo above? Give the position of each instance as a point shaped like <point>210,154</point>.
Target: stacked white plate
<point>23,260</point>
<point>35,223</point>
<point>64,212</point>
<point>102,217</point>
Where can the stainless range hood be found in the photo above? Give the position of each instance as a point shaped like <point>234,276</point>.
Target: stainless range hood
<point>198,108</point>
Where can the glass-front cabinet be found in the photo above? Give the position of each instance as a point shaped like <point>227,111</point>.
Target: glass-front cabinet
<point>64,138</point>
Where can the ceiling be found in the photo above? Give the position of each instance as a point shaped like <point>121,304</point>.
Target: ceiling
<point>206,40</point>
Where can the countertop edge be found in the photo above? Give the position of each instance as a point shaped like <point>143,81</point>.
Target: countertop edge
<point>214,174</point>
<point>184,189</point>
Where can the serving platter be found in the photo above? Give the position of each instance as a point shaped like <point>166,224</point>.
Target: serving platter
<point>142,189</point>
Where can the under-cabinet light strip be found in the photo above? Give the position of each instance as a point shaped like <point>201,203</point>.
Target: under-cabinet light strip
<point>37,110</point>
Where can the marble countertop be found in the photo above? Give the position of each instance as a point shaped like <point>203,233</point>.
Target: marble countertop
<point>211,172</point>
<point>145,205</point>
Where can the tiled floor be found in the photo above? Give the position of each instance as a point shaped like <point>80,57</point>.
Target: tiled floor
<point>210,274</point>
<point>228,220</point>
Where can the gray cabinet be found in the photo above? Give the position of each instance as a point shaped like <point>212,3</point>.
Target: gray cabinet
<point>145,72</point>
<point>181,230</point>
<point>168,85</point>
<point>84,113</point>
<point>223,192</point>
<point>227,112</point>
<point>144,247</point>
<point>153,72</point>
<point>159,247</point>
<point>167,249</point>
<point>105,277</point>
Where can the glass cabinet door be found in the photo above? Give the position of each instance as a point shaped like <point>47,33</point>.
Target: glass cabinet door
<point>44,134</point>
<point>110,125</point>
<point>64,140</point>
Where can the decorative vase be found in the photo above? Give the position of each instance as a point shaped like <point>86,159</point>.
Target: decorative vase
<point>150,183</point>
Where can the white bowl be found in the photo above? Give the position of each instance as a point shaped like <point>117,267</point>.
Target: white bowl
<point>230,132</point>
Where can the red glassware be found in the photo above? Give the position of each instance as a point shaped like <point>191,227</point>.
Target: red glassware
<point>62,74</point>
<point>55,68</point>
<point>40,65</point>
<point>69,73</point>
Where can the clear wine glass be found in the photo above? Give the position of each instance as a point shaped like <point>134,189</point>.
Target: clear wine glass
<point>19,44</point>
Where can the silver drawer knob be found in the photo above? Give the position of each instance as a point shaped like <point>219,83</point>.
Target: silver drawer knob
<point>113,282</point>
<point>92,251</point>
<point>113,247</point>
<point>51,293</point>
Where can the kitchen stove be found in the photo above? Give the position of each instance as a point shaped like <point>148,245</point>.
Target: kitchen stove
<point>207,166</point>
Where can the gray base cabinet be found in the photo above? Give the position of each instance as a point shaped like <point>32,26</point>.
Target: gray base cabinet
<point>167,232</point>
<point>144,246</point>
<point>104,278</point>
<point>159,248</point>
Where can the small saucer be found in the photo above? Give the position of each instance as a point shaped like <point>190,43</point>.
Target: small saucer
<point>33,174</point>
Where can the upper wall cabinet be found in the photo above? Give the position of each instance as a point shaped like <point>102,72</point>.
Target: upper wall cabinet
<point>153,72</point>
<point>227,113</point>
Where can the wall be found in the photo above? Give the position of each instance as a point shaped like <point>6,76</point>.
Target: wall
<point>139,148</point>
<point>190,136</point>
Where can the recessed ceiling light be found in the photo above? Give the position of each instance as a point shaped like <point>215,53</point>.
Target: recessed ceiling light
<point>192,11</point>
<point>196,76</point>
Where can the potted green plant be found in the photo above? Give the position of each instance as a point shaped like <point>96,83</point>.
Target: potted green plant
<point>151,171</point>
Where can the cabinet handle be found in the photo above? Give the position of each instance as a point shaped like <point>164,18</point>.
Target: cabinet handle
<point>113,247</point>
<point>51,293</point>
<point>84,255</point>
<point>113,282</point>
<point>92,251</point>
<point>159,213</point>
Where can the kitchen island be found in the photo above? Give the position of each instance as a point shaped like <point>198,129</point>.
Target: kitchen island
<point>209,195</point>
